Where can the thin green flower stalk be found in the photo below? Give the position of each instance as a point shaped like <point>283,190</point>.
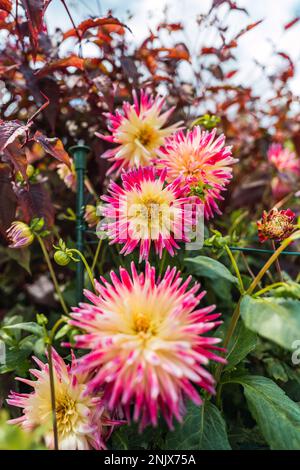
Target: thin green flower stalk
<point>96,255</point>
<point>236,268</point>
<point>52,273</point>
<point>48,338</point>
<point>53,398</point>
<point>86,265</point>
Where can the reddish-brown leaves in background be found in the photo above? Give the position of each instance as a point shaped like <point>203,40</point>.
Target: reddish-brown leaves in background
<point>61,64</point>
<point>53,146</point>
<point>291,23</point>
<point>8,201</point>
<point>35,201</point>
<point>108,23</point>
<point>6,5</point>
<point>35,10</point>
<point>13,134</point>
<point>290,70</point>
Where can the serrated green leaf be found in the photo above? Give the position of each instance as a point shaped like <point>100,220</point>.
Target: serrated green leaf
<point>277,416</point>
<point>275,319</point>
<point>203,429</point>
<point>242,343</point>
<point>204,266</point>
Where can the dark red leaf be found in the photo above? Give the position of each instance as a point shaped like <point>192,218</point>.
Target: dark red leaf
<point>232,5</point>
<point>35,201</point>
<point>10,131</point>
<point>54,147</point>
<point>290,71</point>
<point>248,28</point>
<point>6,5</point>
<point>179,52</point>
<point>13,134</point>
<point>94,23</point>
<point>291,23</point>
<point>61,64</point>
<point>35,10</point>
<point>170,26</point>
<point>8,201</point>
<point>231,74</point>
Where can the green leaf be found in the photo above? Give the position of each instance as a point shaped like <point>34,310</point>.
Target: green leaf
<point>277,416</point>
<point>242,343</point>
<point>27,326</point>
<point>203,429</point>
<point>275,319</point>
<point>22,257</point>
<point>16,359</point>
<point>204,266</point>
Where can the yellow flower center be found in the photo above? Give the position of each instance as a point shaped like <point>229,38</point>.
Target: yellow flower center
<point>278,226</point>
<point>147,136</point>
<point>143,324</point>
<point>150,210</point>
<point>66,413</point>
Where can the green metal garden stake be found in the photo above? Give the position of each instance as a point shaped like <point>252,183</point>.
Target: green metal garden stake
<point>79,153</point>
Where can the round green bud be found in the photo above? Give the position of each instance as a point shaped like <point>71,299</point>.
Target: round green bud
<point>61,258</point>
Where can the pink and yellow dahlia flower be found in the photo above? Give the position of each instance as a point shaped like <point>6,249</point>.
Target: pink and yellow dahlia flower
<point>145,210</point>
<point>147,343</point>
<point>203,161</point>
<point>284,160</point>
<point>82,419</point>
<point>139,130</point>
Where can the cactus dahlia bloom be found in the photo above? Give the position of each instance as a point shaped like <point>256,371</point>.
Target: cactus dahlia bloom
<point>139,130</point>
<point>147,342</point>
<point>20,235</point>
<point>276,225</point>
<point>82,419</point>
<point>203,161</point>
<point>284,160</point>
<point>144,210</point>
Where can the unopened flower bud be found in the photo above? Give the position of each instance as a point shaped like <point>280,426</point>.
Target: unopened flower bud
<point>20,235</point>
<point>91,216</point>
<point>61,258</point>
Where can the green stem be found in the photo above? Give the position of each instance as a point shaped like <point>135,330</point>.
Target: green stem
<point>96,255</point>
<point>52,393</point>
<point>56,326</point>
<point>236,268</point>
<point>163,262</point>
<point>277,264</point>
<point>52,273</point>
<point>230,331</point>
<point>86,265</point>
<point>270,287</point>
